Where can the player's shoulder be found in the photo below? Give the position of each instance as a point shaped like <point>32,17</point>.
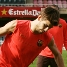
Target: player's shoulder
<point>12,22</point>
<point>62,20</point>
<point>23,21</point>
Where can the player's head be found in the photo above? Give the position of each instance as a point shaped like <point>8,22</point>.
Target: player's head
<point>47,18</point>
<point>50,14</point>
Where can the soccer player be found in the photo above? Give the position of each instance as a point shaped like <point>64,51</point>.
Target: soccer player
<point>59,33</point>
<point>25,39</point>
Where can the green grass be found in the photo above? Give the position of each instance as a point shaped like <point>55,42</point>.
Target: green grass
<point>64,55</point>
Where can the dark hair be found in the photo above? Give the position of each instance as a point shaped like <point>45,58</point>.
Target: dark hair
<point>54,6</point>
<point>51,14</point>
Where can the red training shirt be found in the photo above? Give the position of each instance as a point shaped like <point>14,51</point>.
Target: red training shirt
<point>23,46</point>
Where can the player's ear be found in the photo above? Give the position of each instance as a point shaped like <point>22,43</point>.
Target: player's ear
<point>39,17</point>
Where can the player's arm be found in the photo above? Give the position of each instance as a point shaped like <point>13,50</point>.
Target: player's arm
<point>56,53</point>
<point>8,28</point>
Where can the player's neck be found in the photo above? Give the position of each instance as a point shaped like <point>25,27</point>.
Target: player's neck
<point>33,25</point>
